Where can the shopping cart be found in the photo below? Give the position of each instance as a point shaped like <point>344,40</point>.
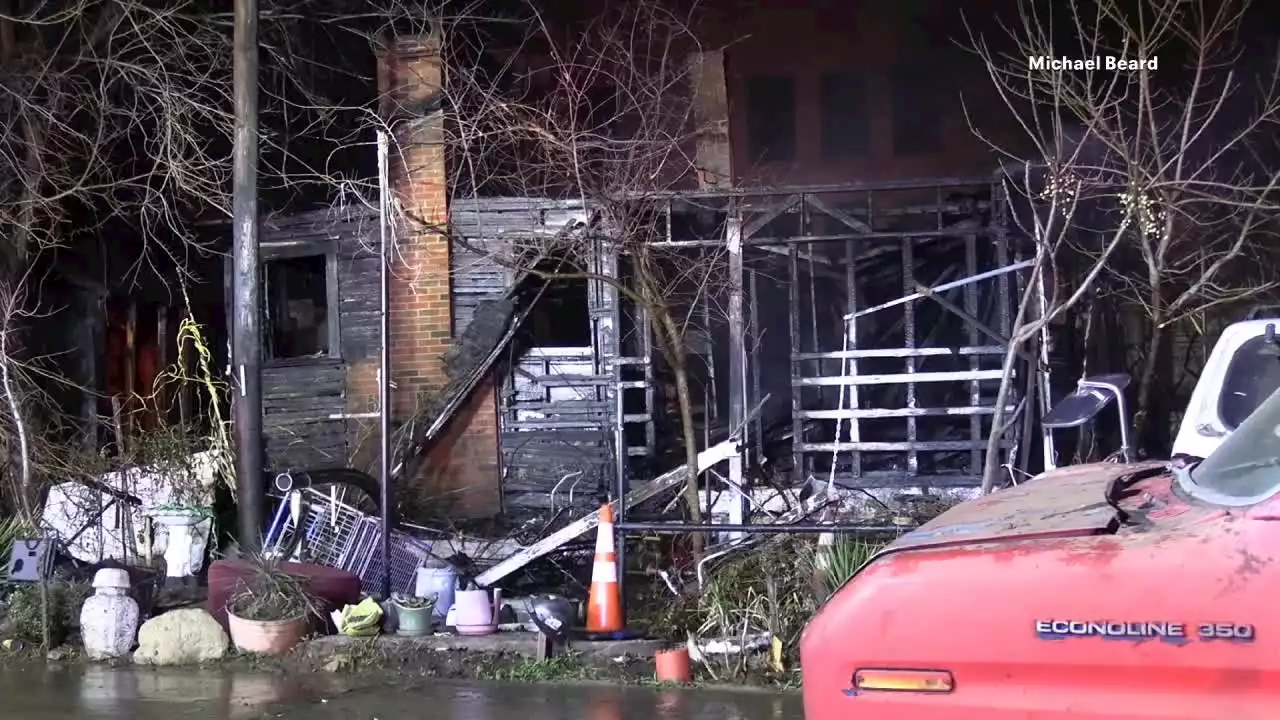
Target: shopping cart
<point>330,532</point>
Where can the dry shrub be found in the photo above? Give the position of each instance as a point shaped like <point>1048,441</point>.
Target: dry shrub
<point>771,588</point>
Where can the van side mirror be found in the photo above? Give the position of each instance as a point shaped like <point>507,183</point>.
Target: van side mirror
<point>1273,344</point>
<point>1092,395</point>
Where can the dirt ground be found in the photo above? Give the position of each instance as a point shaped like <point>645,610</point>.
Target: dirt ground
<point>407,663</point>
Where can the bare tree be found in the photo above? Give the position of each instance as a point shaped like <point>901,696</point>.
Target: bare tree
<point>116,120</point>
<point>1146,118</point>
<point>109,109</point>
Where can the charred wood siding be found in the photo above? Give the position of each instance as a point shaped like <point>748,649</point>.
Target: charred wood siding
<point>300,397</point>
<point>556,423</point>
<point>479,250</point>
<point>550,424</point>
<point>297,401</point>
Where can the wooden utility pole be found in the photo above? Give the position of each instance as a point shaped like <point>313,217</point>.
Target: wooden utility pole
<point>246,340</point>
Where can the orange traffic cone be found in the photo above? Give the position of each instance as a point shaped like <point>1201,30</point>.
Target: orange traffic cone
<point>604,602</point>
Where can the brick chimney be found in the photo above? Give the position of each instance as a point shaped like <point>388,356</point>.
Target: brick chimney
<point>714,155</point>
<point>463,469</point>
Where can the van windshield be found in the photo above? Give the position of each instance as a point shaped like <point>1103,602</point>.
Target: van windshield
<point>1252,375</point>
<point>1247,464</point>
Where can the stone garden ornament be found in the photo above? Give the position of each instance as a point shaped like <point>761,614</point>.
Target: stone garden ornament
<point>109,619</point>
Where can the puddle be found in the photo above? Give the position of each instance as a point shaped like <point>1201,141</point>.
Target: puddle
<point>147,694</point>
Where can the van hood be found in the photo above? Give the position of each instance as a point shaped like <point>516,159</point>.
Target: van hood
<point>1067,502</point>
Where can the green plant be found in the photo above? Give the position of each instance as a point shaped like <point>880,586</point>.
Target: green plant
<point>170,451</point>
<point>568,667</point>
<point>26,621</point>
<point>774,588</point>
<point>412,602</point>
<point>832,566</point>
<point>270,593</point>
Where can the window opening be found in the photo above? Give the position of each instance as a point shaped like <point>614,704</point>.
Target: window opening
<point>845,123</point>
<point>562,316</point>
<point>918,105</point>
<point>297,308</point>
<point>771,118</point>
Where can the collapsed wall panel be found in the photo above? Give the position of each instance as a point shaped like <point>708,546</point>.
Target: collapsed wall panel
<point>556,396</point>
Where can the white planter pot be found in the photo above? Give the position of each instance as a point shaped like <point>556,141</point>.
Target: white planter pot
<point>186,536</point>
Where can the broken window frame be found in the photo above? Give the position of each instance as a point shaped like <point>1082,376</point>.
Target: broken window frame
<point>558,289</point>
<point>328,250</point>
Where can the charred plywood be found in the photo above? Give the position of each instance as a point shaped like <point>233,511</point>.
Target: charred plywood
<point>478,256</point>
<point>551,469</point>
<point>353,238</point>
<point>557,422</point>
<point>489,237</point>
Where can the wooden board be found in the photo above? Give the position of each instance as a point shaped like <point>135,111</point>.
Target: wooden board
<point>706,459</point>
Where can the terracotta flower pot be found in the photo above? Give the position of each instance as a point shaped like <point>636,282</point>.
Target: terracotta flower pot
<point>268,637</point>
<point>673,665</point>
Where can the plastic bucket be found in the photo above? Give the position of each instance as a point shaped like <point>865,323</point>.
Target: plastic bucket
<point>440,583</point>
<point>413,622</point>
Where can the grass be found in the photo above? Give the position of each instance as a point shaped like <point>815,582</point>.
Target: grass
<point>26,620</point>
<point>573,668</point>
<point>271,594</point>
<point>369,662</point>
<point>568,667</point>
<point>832,567</point>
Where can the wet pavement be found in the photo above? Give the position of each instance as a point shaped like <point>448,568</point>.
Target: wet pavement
<point>97,692</point>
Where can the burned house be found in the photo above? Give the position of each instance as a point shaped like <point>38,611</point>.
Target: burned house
<point>857,321</point>
<point>840,330</point>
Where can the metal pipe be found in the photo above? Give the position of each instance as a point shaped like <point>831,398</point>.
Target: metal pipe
<point>737,363</point>
<point>754,363</point>
<point>833,188</point>
<point>556,489</point>
<point>384,364</point>
<point>1126,449</point>
<point>943,288</point>
<point>610,338</point>
<point>761,529</point>
<point>246,344</point>
<point>797,367</point>
<point>757,241</point>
